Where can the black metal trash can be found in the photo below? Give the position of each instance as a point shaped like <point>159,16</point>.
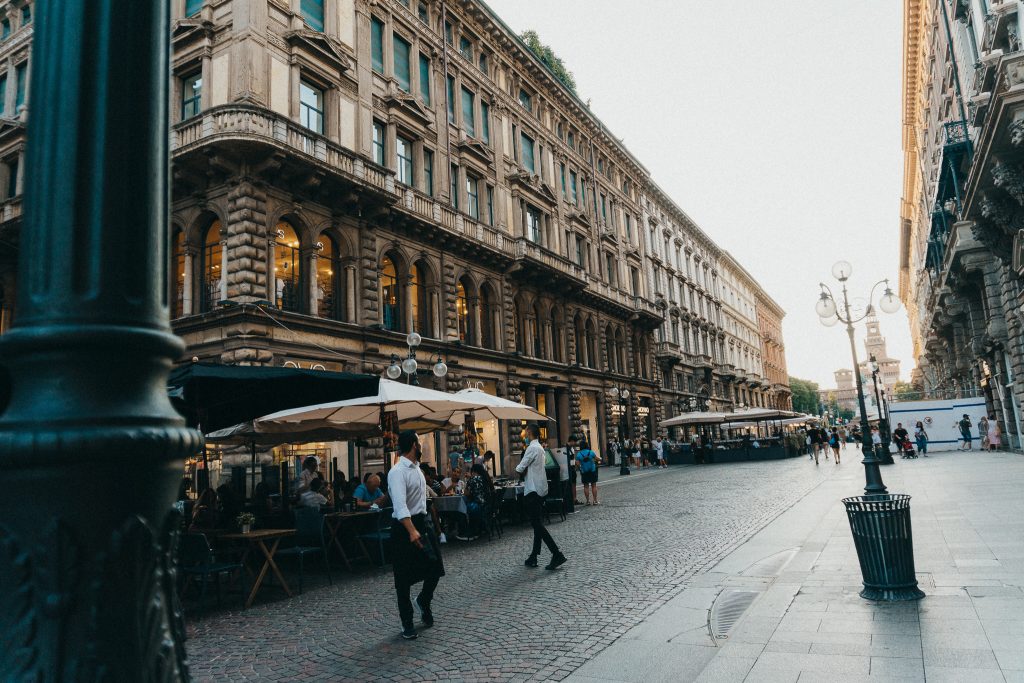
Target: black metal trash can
<point>885,546</point>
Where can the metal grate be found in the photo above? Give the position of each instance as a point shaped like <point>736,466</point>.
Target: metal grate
<point>728,608</point>
<point>771,566</point>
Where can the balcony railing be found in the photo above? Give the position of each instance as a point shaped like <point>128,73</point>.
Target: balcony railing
<point>531,251</point>
<point>666,349</point>
<point>10,209</point>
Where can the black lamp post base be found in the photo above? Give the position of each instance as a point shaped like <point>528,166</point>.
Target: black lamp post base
<point>890,594</point>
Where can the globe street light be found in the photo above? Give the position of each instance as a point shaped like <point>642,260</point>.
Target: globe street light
<point>884,428</point>
<point>830,313</point>
<point>410,365</point>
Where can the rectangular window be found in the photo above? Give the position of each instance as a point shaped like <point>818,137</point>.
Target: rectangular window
<point>12,178</point>
<point>526,142</point>
<point>454,185</point>
<point>421,12</point>
<point>472,197</point>
<point>533,224</point>
<point>26,15</point>
<point>3,93</point>
<point>377,44</point>
<point>19,78</point>
<point>610,260</point>
<point>403,156</point>
<point>191,93</point>
<point>490,205</point>
<point>192,7</point>
<point>565,192</point>
<point>449,33</point>
<point>485,122</point>
<point>466,48</point>
<point>425,79</point>
<point>572,188</point>
<point>629,227</point>
<point>428,171</point>
<point>634,279</point>
<point>402,63</point>
<point>604,208</point>
<point>451,99</point>
<point>313,13</point>
<point>483,62</point>
<point>580,250</point>
<point>468,120</point>
<point>378,142</point>
<point>311,107</point>
<point>571,141</point>
<point>526,100</point>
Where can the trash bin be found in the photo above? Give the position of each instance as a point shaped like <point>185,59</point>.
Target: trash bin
<point>885,546</point>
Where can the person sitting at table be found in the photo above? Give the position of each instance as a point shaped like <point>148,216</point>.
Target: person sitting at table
<point>204,514</point>
<point>308,474</point>
<point>433,482</point>
<point>452,484</point>
<point>479,497</point>
<point>368,493</point>
<point>313,498</point>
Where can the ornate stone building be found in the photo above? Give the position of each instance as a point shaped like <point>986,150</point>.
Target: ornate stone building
<point>15,43</point>
<point>773,352</point>
<point>346,173</point>
<point>963,204</point>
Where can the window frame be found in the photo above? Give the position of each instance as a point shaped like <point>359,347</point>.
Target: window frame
<point>305,107</point>
<point>315,22</point>
<point>428,171</point>
<point>425,78</point>
<point>473,196</point>
<point>377,45</point>
<point>534,229</point>
<point>379,144</point>
<point>405,168</point>
<point>468,98</point>
<point>402,76</point>
<point>523,138</point>
<point>193,103</point>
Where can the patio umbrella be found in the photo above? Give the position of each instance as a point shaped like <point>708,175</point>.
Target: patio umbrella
<point>491,408</point>
<point>416,408</point>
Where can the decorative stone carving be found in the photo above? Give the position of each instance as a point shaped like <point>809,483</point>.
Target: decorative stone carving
<point>1009,178</point>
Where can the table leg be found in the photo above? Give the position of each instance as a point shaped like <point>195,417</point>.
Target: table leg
<point>269,554</point>
<point>336,542</point>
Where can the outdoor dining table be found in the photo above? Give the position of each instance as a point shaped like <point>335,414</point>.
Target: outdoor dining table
<point>455,504</point>
<point>259,539</point>
<point>513,492</point>
<point>336,523</point>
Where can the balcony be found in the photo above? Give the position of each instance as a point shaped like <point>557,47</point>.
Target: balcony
<point>667,351</point>
<point>536,261</point>
<point>726,370</point>
<point>628,304</point>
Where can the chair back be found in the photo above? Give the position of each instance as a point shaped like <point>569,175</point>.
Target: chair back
<point>309,526</point>
<point>195,550</point>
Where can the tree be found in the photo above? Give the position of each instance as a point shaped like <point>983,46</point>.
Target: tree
<point>906,392</point>
<point>549,58</point>
<point>805,395</point>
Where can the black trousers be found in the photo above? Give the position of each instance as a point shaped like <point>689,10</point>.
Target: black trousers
<point>568,496</point>
<point>402,588</point>
<point>534,509</point>
<point>412,565</point>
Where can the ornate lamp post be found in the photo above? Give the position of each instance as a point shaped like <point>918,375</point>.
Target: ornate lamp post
<point>410,365</point>
<point>884,429</point>
<point>620,394</point>
<point>830,314</point>
<point>90,446</point>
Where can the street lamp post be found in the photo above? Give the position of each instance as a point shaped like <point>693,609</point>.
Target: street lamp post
<point>830,314</point>
<point>410,365</point>
<point>884,428</point>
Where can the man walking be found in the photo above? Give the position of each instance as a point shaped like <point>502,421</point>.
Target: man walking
<point>531,470</point>
<point>416,553</point>
<point>965,432</point>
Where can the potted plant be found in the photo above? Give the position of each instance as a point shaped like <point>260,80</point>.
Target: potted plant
<point>245,521</point>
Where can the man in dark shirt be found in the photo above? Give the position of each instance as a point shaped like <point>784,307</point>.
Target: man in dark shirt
<point>901,435</point>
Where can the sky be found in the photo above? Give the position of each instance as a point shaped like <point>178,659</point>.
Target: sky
<point>776,127</point>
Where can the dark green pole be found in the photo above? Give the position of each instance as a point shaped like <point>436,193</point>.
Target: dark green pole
<point>91,451</point>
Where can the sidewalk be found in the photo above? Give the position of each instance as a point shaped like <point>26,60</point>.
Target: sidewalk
<point>784,605</point>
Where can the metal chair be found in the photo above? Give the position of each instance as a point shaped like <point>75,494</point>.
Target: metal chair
<point>381,531</point>
<point>197,559</point>
<point>309,539</point>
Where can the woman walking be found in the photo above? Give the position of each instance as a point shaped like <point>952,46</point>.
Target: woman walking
<point>994,434</point>
<point>833,441</point>
<point>921,437</point>
<point>983,432</point>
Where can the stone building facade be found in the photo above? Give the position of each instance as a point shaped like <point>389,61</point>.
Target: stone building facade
<point>346,173</point>
<point>773,351</point>
<point>963,200</point>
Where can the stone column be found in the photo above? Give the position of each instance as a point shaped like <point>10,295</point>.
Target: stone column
<point>246,251</point>
<point>369,298</point>
<point>188,283</point>
<point>350,291</point>
<point>90,589</point>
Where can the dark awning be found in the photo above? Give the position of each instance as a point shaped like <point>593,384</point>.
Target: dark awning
<point>219,396</point>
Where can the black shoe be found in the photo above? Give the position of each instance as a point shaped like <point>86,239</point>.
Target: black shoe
<point>531,561</point>
<point>425,614</point>
<point>556,561</point>
<point>409,633</point>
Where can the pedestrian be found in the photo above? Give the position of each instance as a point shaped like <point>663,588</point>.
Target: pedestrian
<point>983,432</point>
<point>921,437</point>
<point>994,434</point>
<point>900,436</point>
<point>965,432</point>
<point>876,442</point>
<point>659,449</point>
<point>842,437</point>
<point>833,442</point>
<point>571,452</point>
<point>588,460</point>
<point>561,456</point>
<point>415,550</point>
<point>531,471</point>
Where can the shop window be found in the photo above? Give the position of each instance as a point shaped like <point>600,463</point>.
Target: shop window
<point>211,267</point>
<point>389,296</point>
<point>287,268</point>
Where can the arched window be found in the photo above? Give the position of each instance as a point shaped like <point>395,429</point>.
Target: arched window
<point>211,270</point>
<point>557,336</point>
<point>620,352</point>
<point>537,332</point>
<point>609,350</point>
<point>488,311</point>
<point>390,298</point>
<point>591,335</point>
<point>517,316</point>
<point>177,267</point>
<point>419,299</point>
<point>462,312</point>
<point>581,340</point>
<point>287,269</point>
<point>330,286</point>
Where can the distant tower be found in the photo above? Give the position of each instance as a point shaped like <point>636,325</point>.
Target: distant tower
<point>844,379</point>
<point>875,342</point>
<point>874,345</point>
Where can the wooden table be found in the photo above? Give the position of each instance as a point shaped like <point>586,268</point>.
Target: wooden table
<point>259,539</point>
<point>334,522</point>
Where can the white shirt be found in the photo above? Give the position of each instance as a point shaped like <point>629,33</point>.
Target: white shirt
<point>876,438</point>
<point>407,489</point>
<point>533,464</point>
<point>659,446</point>
<point>311,499</point>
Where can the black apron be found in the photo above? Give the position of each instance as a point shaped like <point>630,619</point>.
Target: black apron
<point>412,564</point>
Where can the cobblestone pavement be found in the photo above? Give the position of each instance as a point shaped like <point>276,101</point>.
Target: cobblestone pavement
<point>498,620</point>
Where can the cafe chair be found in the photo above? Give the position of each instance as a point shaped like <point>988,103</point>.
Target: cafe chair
<point>196,558</point>
<point>492,518</point>
<point>381,531</point>
<point>309,539</point>
<point>556,504</point>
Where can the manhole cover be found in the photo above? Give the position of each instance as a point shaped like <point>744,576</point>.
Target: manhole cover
<point>727,610</point>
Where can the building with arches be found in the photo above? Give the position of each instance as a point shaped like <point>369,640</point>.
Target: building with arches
<point>345,173</point>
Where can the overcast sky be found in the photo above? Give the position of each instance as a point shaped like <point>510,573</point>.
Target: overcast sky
<point>774,125</point>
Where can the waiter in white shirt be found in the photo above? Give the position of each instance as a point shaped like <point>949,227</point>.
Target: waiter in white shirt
<point>416,553</point>
<point>531,470</point>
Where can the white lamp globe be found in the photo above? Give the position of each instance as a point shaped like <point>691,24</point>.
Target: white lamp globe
<point>625,393</point>
<point>842,270</point>
<point>826,306</point>
<point>393,371</point>
<point>413,339</point>
<point>409,366</point>
<point>889,303</point>
<point>440,369</point>
<point>829,321</point>
<point>614,391</point>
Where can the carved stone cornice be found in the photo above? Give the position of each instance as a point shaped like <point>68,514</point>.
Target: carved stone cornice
<point>1010,178</point>
<point>321,45</point>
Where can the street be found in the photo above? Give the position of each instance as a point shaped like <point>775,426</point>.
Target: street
<point>654,532</point>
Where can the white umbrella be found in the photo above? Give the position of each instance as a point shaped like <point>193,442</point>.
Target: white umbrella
<point>704,418</point>
<point>490,408</point>
<point>413,405</point>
